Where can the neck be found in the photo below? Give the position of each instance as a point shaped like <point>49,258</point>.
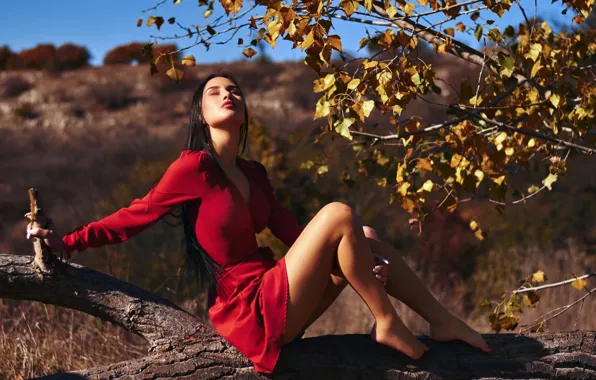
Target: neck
<point>225,145</point>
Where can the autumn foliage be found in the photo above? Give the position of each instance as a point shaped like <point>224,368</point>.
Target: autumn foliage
<point>133,53</point>
<point>530,109</point>
<point>45,57</point>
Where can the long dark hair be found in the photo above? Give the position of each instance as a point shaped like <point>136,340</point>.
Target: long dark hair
<point>198,265</point>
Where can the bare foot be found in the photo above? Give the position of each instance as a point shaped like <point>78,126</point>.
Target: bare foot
<point>453,328</point>
<point>397,335</point>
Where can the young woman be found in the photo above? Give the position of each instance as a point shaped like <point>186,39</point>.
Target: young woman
<point>257,303</point>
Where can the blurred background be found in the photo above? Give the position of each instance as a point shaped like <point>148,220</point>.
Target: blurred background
<point>82,120</point>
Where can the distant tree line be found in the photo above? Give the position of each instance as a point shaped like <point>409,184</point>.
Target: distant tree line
<point>70,56</point>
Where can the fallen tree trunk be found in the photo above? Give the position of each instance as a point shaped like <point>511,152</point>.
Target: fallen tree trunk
<point>182,346</point>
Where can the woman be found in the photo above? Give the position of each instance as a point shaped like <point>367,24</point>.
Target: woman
<point>257,303</point>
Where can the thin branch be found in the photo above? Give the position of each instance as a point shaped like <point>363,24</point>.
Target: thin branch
<point>154,7</point>
<point>524,13</point>
<point>446,8</point>
<point>564,309</point>
<point>581,148</point>
<point>524,289</point>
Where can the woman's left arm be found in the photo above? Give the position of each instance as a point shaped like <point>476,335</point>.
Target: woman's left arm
<point>282,223</point>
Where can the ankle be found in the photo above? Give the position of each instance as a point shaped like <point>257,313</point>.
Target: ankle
<point>440,320</point>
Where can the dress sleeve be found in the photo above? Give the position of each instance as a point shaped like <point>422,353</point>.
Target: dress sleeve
<point>282,223</point>
<point>183,181</point>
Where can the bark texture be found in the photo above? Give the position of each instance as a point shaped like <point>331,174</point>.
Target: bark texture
<point>185,347</point>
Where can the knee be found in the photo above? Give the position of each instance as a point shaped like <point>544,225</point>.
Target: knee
<point>337,213</point>
<point>370,232</point>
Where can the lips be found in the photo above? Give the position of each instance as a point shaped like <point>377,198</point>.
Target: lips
<point>228,104</point>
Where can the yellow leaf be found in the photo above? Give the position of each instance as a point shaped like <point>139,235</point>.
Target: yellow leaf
<point>328,81</point>
<point>460,26</point>
<point>499,180</point>
<point>353,84</point>
<point>555,99</point>
<point>391,11</point>
<point>476,101</point>
<point>382,182</point>
<point>322,108</point>
<point>535,68</point>
<point>500,138</point>
<point>310,38</point>
<point>343,127</point>
<point>534,52</point>
<point>322,169</point>
<point>531,143</point>
<point>422,2</point>
<point>189,60</point>
<point>509,151</point>
<point>368,4</point>
<point>479,174</point>
<point>473,225</point>
<point>367,107</point>
<point>335,42</point>
<point>409,8</point>
<point>424,164</point>
<point>532,189</point>
<point>403,189</point>
<point>479,234</point>
<point>548,181</point>
<point>427,186</point>
<point>538,277</point>
<point>350,6</point>
<point>249,52</point>
<point>579,284</point>
<point>450,31</point>
<point>175,74</point>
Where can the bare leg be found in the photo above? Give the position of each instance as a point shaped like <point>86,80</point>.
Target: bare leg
<point>336,284</point>
<point>404,284</point>
<point>336,233</point>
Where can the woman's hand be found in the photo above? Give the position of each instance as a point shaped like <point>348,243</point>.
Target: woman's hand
<point>380,270</point>
<point>49,235</point>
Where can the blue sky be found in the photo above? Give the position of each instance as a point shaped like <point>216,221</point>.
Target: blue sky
<point>101,25</point>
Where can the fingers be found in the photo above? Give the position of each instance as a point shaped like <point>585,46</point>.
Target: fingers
<point>380,272</point>
<point>37,232</point>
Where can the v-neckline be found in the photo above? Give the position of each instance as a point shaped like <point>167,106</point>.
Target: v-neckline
<point>233,185</point>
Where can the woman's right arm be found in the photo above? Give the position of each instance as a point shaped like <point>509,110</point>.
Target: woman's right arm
<point>183,181</point>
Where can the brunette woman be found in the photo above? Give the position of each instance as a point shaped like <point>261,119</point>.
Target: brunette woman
<point>258,303</point>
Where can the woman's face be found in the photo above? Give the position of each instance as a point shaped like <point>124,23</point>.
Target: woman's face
<point>223,104</point>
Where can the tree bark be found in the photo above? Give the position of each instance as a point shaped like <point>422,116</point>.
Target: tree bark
<point>182,346</point>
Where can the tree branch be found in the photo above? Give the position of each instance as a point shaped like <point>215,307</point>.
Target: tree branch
<point>524,289</point>
<point>95,293</point>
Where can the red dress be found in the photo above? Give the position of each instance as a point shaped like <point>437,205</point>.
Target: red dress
<point>249,309</point>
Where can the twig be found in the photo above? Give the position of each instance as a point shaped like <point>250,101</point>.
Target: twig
<point>565,308</point>
<point>524,289</point>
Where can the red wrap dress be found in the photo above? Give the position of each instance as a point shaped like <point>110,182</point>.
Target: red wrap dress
<point>250,303</point>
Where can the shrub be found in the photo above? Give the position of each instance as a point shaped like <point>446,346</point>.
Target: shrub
<point>125,54</point>
<point>39,57</point>
<point>70,57</point>
<point>14,86</point>
<point>26,111</point>
<point>113,95</point>
<point>132,53</point>
<point>5,56</point>
<point>14,62</point>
